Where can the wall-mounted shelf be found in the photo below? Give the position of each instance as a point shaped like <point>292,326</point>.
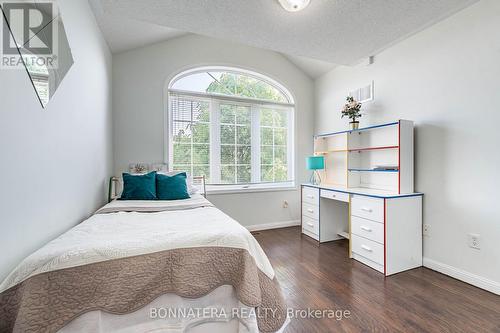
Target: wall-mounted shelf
<point>388,144</point>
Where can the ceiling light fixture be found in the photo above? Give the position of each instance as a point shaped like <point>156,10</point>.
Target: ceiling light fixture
<point>294,5</point>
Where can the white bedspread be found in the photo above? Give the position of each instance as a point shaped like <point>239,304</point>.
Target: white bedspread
<point>118,235</point>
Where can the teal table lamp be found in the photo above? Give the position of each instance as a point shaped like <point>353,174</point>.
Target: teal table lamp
<point>315,163</point>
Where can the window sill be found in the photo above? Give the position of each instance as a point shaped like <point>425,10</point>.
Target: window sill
<point>230,189</point>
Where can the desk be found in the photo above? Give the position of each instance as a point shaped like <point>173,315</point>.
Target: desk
<point>384,229</point>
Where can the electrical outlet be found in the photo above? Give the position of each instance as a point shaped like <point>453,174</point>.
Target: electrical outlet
<point>475,241</point>
<point>426,229</point>
<point>285,204</point>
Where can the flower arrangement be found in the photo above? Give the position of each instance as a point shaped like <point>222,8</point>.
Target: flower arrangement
<point>352,110</point>
<point>138,168</point>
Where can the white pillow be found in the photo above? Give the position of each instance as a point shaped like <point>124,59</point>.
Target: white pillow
<point>191,188</point>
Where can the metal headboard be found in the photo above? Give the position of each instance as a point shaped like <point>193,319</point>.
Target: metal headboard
<point>113,188</point>
<point>200,182</point>
<point>116,182</point>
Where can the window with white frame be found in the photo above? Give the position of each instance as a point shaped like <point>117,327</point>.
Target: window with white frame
<point>233,127</point>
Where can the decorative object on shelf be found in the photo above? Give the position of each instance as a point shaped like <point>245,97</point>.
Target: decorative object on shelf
<point>315,163</point>
<point>352,110</point>
<point>373,170</point>
<point>138,168</point>
<point>386,168</point>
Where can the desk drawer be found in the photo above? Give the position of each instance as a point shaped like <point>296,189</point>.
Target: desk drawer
<point>310,225</point>
<point>310,195</point>
<point>367,229</point>
<point>311,211</point>
<point>334,195</point>
<point>368,208</point>
<point>368,249</point>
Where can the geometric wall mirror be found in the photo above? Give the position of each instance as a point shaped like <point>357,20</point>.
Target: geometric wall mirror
<point>34,38</point>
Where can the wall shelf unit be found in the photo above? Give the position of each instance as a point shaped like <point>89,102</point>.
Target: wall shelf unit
<point>377,157</point>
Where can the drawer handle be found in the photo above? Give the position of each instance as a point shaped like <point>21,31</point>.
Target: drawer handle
<point>368,210</point>
<point>310,224</point>
<point>366,228</point>
<point>366,248</point>
<point>310,210</point>
<point>334,195</point>
<point>310,196</point>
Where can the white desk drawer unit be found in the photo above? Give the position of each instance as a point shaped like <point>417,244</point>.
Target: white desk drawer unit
<point>368,249</point>
<point>310,225</point>
<point>368,208</point>
<point>311,211</point>
<point>310,195</point>
<point>334,195</point>
<point>367,229</point>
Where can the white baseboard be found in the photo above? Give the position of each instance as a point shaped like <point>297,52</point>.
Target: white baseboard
<point>459,274</point>
<point>273,225</point>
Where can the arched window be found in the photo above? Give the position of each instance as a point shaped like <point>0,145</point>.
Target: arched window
<point>233,126</point>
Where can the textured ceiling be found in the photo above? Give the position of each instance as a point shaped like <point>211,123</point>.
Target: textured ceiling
<point>335,31</point>
<point>124,34</point>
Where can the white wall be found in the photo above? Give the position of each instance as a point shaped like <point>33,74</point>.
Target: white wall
<point>139,79</point>
<point>446,79</point>
<point>55,162</point>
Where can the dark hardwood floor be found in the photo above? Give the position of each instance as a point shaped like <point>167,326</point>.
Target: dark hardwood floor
<point>421,300</point>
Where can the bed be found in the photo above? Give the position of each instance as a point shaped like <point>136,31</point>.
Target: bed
<point>141,266</point>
